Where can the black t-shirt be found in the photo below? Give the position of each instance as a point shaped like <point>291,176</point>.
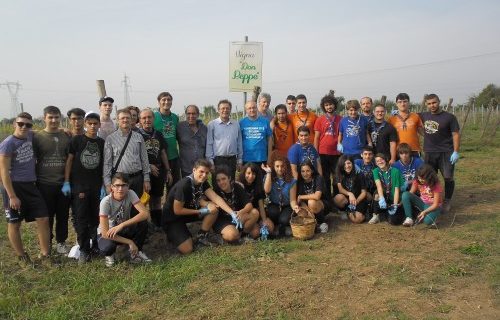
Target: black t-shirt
<point>86,170</point>
<point>184,191</point>
<point>254,196</point>
<point>154,143</point>
<point>353,182</point>
<point>237,199</point>
<point>382,134</point>
<point>317,184</point>
<point>438,130</point>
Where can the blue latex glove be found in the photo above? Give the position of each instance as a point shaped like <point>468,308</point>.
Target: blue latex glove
<point>264,232</point>
<point>236,221</point>
<point>382,204</point>
<point>66,189</point>
<point>351,207</point>
<point>204,211</point>
<point>103,192</point>
<point>394,112</point>
<point>454,157</point>
<point>340,148</point>
<point>392,210</point>
<point>357,169</point>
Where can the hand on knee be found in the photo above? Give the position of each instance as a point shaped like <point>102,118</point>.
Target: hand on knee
<point>213,208</point>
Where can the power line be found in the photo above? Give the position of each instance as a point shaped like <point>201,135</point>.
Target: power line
<point>13,88</point>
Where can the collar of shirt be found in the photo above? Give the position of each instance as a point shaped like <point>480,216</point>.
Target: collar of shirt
<point>222,122</point>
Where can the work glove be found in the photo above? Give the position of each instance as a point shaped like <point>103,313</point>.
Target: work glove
<point>236,221</point>
<point>340,148</point>
<point>66,189</point>
<point>382,204</point>
<point>204,211</point>
<point>264,232</point>
<point>454,157</point>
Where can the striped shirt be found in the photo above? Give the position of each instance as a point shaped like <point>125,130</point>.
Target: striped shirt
<point>224,139</point>
<point>134,159</point>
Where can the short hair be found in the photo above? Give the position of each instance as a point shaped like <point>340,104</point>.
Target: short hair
<point>93,115</point>
<point>164,94</point>
<point>121,176</point>
<point>381,155</point>
<point>25,115</point>
<point>136,109</point>
<point>371,101</point>
<point>193,106</point>
<point>403,96</point>
<point>352,104</point>
<point>431,96</point>
<point>124,110</point>
<point>303,129</point>
<point>223,101</point>
<point>379,105</point>
<point>202,163</point>
<point>301,97</point>
<point>222,169</point>
<point>52,110</point>
<point>291,97</point>
<point>367,148</point>
<point>266,96</point>
<point>147,110</point>
<point>280,106</point>
<point>76,111</point>
<point>404,148</point>
<point>328,99</point>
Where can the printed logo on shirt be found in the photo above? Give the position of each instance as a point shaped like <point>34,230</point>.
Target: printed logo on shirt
<point>90,155</point>
<point>431,127</point>
<point>168,129</point>
<point>353,130</point>
<point>25,152</point>
<point>152,147</point>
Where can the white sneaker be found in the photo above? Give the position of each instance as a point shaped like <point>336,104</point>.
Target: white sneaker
<point>140,257</point>
<point>109,261</point>
<point>323,228</point>
<point>61,248</point>
<point>374,219</point>
<point>408,222</point>
<point>343,216</point>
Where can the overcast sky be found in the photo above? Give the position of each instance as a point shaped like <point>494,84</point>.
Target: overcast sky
<point>58,49</point>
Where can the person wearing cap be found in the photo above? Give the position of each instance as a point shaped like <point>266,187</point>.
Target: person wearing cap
<point>134,161</point>
<point>83,181</point>
<point>75,117</point>
<point>107,124</point>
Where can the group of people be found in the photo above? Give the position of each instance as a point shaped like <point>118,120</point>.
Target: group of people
<point>113,175</point>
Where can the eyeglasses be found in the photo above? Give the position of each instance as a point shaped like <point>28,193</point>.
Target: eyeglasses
<point>21,124</point>
<point>120,185</point>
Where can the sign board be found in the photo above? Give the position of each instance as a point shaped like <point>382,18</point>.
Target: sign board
<point>245,66</point>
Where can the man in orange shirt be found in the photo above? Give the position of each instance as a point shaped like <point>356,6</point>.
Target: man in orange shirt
<point>303,117</point>
<point>283,134</point>
<point>407,124</point>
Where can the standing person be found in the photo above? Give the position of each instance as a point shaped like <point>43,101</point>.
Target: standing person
<point>166,122</point>
<point>76,124</point>
<point>256,136</point>
<point>291,102</point>
<point>83,181</point>
<point>366,108</point>
<point>326,139</point>
<point>118,226</point>
<point>251,179</point>
<point>352,190</point>
<point>160,173</point>
<point>105,110</point>
<point>264,103</point>
<point>192,199</point>
<point>283,133</point>
<point>389,183</point>
<point>353,131</point>
<point>134,161</point>
<point>430,200</point>
<point>17,170</point>
<point>282,189</point>
<point>243,218</point>
<point>302,151</point>
<point>408,124</point>
<point>51,150</point>
<point>304,116</point>
<point>224,143</point>
<point>312,194</point>
<point>441,144</point>
<point>383,135</point>
<point>407,164</point>
<point>192,139</point>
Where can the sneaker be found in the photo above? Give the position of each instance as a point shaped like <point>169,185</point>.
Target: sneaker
<point>25,262</point>
<point>202,240</point>
<point>109,261</point>
<point>323,228</point>
<point>141,257</point>
<point>61,248</point>
<point>446,206</point>
<point>375,219</point>
<point>343,216</point>
<point>83,258</point>
<point>408,222</point>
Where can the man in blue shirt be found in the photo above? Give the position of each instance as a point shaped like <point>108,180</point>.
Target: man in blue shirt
<point>256,136</point>
<point>353,133</point>
<point>302,151</point>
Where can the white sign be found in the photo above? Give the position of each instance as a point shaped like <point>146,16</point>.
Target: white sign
<point>245,66</point>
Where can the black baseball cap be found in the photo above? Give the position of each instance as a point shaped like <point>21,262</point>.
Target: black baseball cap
<point>106,98</point>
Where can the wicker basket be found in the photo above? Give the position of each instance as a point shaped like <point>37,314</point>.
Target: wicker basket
<point>303,224</point>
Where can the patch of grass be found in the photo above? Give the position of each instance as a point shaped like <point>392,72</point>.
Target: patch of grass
<point>445,308</point>
<point>474,249</point>
<point>456,271</point>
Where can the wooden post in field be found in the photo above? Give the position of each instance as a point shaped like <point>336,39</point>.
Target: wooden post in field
<point>255,94</point>
<point>493,104</point>
<point>491,137</point>
<point>383,99</point>
<point>101,88</point>
<point>331,93</point>
<point>469,107</point>
<point>448,106</point>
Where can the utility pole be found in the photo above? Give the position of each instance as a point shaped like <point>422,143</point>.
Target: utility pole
<point>126,87</point>
<point>13,88</point>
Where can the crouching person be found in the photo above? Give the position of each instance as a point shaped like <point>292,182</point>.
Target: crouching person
<point>191,199</point>
<point>116,224</point>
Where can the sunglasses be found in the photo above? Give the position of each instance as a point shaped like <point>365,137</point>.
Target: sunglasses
<point>21,124</point>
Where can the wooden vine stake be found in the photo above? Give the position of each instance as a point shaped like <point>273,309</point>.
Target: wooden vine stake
<point>493,105</point>
<point>383,99</point>
<point>101,88</point>
<point>448,106</point>
<point>255,93</point>
<point>469,107</point>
